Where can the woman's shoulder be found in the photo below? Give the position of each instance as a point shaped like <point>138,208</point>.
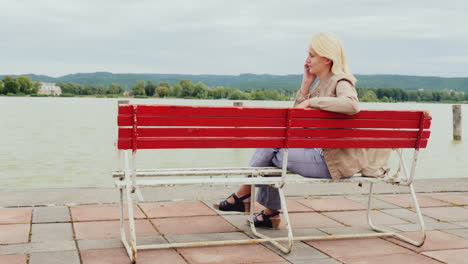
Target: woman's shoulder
<point>341,77</point>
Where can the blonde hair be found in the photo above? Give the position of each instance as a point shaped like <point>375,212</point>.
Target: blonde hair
<point>329,46</point>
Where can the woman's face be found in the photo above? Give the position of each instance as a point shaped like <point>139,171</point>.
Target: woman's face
<point>316,63</point>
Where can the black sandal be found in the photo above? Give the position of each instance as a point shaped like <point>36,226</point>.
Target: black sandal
<point>238,204</point>
<point>267,222</point>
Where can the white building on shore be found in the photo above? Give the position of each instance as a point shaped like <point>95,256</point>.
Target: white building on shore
<point>49,89</point>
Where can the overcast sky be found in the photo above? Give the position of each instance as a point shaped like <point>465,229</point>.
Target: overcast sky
<point>59,37</point>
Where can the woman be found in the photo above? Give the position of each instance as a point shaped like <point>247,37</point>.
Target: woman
<point>334,92</point>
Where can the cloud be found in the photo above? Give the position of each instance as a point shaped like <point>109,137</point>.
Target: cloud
<point>225,37</point>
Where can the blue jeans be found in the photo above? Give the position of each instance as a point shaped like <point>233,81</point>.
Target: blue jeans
<point>308,162</point>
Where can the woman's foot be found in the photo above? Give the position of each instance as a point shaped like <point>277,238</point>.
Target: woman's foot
<point>234,203</point>
<point>268,219</point>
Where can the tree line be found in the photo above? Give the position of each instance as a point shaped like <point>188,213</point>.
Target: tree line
<point>402,95</point>
<point>182,89</point>
<point>22,85</point>
<point>187,89</point>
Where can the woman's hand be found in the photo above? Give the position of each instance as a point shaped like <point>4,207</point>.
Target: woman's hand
<point>308,78</point>
<point>303,104</point>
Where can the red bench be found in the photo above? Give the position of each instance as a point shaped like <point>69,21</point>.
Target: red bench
<point>174,126</point>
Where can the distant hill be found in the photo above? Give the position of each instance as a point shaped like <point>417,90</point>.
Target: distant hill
<point>256,81</point>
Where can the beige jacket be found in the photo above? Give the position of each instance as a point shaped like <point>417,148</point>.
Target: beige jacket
<point>337,94</point>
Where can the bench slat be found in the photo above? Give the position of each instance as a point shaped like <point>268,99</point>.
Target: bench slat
<point>203,132</point>
<point>126,120</point>
<point>226,111</point>
<point>204,172</point>
<point>366,114</point>
<point>356,123</point>
<point>250,181</point>
<point>359,133</point>
<point>268,132</point>
<point>169,143</point>
<point>354,143</point>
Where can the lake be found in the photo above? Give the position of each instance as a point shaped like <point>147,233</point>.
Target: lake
<point>69,142</point>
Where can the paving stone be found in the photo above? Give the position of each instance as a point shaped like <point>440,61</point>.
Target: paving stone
<point>38,247</point>
<point>315,261</point>
<point>449,256</point>
<point>230,254</point>
<point>52,232</point>
<point>119,255</point>
<point>298,221</point>
<point>346,230</point>
<point>101,212</point>
<point>333,204</point>
<point>13,259</point>
<point>155,210</point>
<point>405,200</point>
<point>461,224</point>
<point>58,257</point>
<point>284,232</point>
<point>51,214</point>
<point>412,258</point>
<point>212,252</point>
<point>429,226</point>
<point>301,251</point>
<point>309,220</point>
<point>456,198</point>
<point>14,234</point>
<point>116,243</point>
<point>458,232</point>
<point>376,203</point>
<point>192,225</point>
<point>359,218</point>
<point>15,216</point>
<point>239,221</point>
<point>294,206</point>
<point>206,237</point>
<point>348,248</point>
<point>110,229</point>
<point>408,215</point>
<point>436,240</point>
<point>450,214</point>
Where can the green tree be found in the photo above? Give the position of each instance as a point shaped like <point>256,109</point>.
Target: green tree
<point>25,84</point>
<point>162,91</point>
<point>10,85</point>
<point>187,88</point>
<point>200,90</point>
<point>139,88</point>
<point>150,89</point>
<point>115,88</point>
<point>164,84</point>
<point>1,87</point>
<point>369,96</point>
<point>176,90</point>
<point>258,95</point>
<point>36,86</point>
<point>236,94</point>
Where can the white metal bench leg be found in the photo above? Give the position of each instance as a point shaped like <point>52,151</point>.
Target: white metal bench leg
<point>267,238</point>
<point>273,241</point>
<point>284,207</point>
<point>401,237</point>
<point>132,247</point>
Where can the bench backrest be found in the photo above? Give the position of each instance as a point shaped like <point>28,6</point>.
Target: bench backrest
<point>175,126</point>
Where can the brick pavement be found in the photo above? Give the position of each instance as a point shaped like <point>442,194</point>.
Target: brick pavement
<point>89,234</point>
